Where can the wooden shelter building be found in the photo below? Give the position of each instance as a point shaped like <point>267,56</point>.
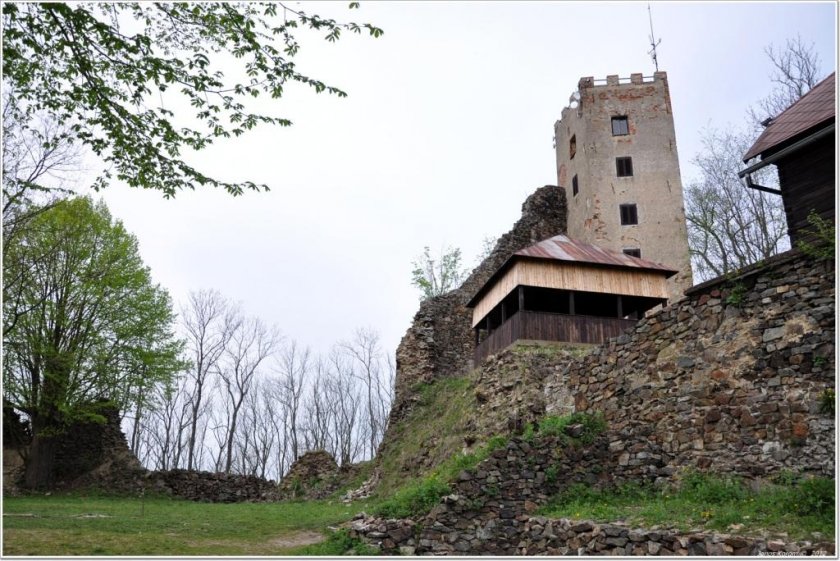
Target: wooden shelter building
<point>564,290</point>
<point>800,142</point>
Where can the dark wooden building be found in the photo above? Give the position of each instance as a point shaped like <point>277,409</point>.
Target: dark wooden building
<point>564,290</point>
<point>800,142</point>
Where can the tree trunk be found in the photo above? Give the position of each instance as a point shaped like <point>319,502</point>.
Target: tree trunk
<point>40,469</point>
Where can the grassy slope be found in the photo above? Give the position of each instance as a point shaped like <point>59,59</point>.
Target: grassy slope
<point>78,525</point>
<point>432,432</point>
<point>447,411</point>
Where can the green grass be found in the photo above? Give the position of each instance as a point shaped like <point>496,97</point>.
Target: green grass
<point>710,503</point>
<point>421,495</point>
<point>89,525</point>
<point>431,433</point>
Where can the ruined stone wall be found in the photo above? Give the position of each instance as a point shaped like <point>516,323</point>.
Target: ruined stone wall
<point>440,341</point>
<point>538,535</point>
<point>97,456</point>
<point>489,512</point>
<point>728,380</point>
<point>88,446</point>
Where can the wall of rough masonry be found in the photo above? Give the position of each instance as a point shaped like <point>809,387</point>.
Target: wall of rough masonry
<point>316,475</point>
<point>97,456</point>
<point>439,341</point>
<point>489,512</point>
<point>729,379</point>
<point>85,446</point>
<point>538,535</point>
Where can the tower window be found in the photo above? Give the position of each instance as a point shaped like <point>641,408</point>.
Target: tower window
<point>574,186</point>
<point>619,126</point>
<point>572,147</point>
<point>629,215</point>
<point>624,167</point>
<point>634,252</point>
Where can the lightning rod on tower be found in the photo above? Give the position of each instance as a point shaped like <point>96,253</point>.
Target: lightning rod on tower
<point>653,42</point>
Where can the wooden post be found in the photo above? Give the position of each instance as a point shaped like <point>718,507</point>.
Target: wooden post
<point>620,313</point>
<point>572,303</point>
<point>521,290</point>
<point>504,315</point>
<point>476,335</point>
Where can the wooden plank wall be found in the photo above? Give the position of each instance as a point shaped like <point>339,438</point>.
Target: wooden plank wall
<point>543,326</point>
<point>807,182</point>
<point>570,276</point>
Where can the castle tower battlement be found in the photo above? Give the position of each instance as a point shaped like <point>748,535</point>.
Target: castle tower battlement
<point>617,160</point>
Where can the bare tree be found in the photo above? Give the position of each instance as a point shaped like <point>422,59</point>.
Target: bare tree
<point>729,225</point>
<point>292,368</point>
<point>796,69</point>
<point>343,394</point>
<point>250,343</point>
<point>318,410</point>
<point>207,323</point>
<point>40,163</point>
<point>256,438</point>
<point>166,422</point>
<point>365,356</point>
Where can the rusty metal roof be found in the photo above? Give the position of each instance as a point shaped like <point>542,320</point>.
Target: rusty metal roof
<point>563,248</point>
<point>813,108</point>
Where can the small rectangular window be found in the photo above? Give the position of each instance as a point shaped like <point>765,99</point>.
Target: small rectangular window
<point>619,126</point>
<point>574,186</point>
<point>572,147</point>
<point>629,215</point>
<point>632,252</point>
<point>624,167</point>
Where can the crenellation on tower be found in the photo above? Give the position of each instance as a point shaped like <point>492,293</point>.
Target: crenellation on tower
<point>617,160</point>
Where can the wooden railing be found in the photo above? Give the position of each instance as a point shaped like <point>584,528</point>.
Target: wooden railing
<point>544,326</point>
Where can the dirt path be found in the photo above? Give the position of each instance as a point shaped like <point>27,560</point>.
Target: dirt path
<point>304,537</point>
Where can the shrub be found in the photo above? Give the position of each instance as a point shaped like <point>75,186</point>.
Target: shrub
<point>736,294</point>
<point>814,497</point>
<point>823,235</point>
<point>786,478</point>
<point>340,543</point>
<point>827,400</point>
<point>710,489</point>
<point>551,475</point>
<point>593,425</point>
<point>415,499</point>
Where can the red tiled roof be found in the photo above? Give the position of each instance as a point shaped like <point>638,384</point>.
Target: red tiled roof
<point>808,111</point>
<point>563,248</point>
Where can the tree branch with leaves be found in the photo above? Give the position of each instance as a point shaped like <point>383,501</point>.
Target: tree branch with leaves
<point>115,87</point>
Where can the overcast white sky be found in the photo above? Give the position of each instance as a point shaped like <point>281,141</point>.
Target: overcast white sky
<point>447,129</point>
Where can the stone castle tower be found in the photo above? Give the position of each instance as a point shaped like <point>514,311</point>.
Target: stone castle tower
<point>617,160</point>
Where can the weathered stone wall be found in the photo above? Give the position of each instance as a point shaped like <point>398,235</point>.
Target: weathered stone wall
<point>440,340</point>
<point>86,446</point>
<point>201,486</point>
<point>728,380</point>
<point>537,535</point>
<point>489,513</point>
<point>212,487</point>
<point>97,456</point>
<point>316,475</point>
